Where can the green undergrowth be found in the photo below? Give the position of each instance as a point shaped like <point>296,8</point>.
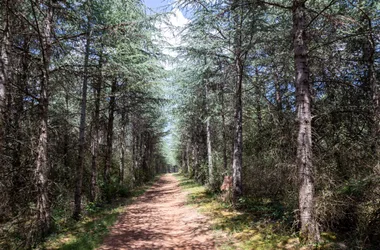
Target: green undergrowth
<point>89,232</point>
<point>252,224</point>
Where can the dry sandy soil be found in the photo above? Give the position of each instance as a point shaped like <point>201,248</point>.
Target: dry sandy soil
<point>160,219</point>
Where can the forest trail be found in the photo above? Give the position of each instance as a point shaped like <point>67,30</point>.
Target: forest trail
<point>160,219</point>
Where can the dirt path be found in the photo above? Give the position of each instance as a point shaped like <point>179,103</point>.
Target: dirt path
<point>160,220</point>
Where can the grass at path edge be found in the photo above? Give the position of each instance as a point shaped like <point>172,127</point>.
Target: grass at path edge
<point>90,231</point>
<point>259,226</point>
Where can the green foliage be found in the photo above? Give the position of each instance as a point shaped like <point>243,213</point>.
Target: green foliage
<point>254,225</point>
<point>122,49</point>
<point>343,60</point>
<point>125,48</point>
<point>91,208</point>
<point>88,233</point>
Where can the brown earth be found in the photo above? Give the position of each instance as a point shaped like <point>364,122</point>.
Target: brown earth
<point>160,219</point>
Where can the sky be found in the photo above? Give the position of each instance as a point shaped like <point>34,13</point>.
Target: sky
<point>176,21</point>
<point>170,33</point>
<point>158,5</point>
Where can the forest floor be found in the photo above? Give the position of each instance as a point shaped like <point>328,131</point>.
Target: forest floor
<point>177,213</point>
<point>161,219</point>
<point>251,224</point>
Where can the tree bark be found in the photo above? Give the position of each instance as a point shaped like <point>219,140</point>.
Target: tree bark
<point>123,138</point>
<point>66,139</point>
<point>258,102</point>
<point>369,50</point>
<point>238,138</point>
<point>95,143</point>
<point>17,114</point>
<point>258,93</point>
<point>134,154</point>
<point>188,158</point>
<point>183,159</point>
<point>224,132</point>
<point>144,155</point>
<point>108,156</point>
<point>277,86</point>
<point>195,161</point>
<point>309,227</point>
<point>211,178</point>
<point>82,130</point>
<point>122,162</point>
<point>42,165</point>
<point>4,73</point>
<point>237,161</point>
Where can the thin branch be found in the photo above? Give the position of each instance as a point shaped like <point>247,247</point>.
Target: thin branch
<point>324,9</point>
<point>276,5</point>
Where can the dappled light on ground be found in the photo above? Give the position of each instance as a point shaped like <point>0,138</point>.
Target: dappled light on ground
<point>259,225</point>
<point>160,219</point>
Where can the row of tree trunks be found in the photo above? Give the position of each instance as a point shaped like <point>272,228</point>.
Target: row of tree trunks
<point>41,73</point>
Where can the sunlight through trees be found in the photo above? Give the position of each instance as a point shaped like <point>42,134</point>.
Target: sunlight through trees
<point>278,98</point>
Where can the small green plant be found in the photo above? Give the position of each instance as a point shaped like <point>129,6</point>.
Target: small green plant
<point>251,224</point>
<point>124,192</point>
<point>88,233</point>
<point>91,208</point>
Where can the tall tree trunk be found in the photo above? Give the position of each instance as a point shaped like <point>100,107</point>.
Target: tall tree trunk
<point>211,177</point>
<point>67,135</point>
<point>375,96</point>
<point>122,162</point>
<point>123,138</point>
<point>4,73</point>
<point>150,145</point>
<point>188,158</point>
<point>258,93</point>
<point>95,143</point>
<point>18,106</point>
<point>183,159</point>
<point>237,161</point>
<point>309,226</point>
<point>277,86</point>
<point>42,165</point>
<point>279,105</point>
<point>108,156</point>
<point>195,161</point>
<point>144,155</point>
<point>369,51</point>
<point>134,154</point>
<point>224,132</point>
<point>238,138</point>
<point>258,102</point>
<point>82,130</point>
<point>142,150</point>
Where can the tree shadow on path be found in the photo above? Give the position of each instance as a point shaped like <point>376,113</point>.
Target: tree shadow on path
<point>159,219</point>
